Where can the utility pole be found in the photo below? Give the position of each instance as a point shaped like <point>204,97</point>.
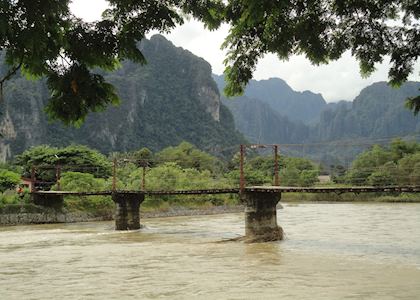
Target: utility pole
<point>114,175</point>
<point>241,170</point>
<point>276,165</point>
<point>33,179</point>
<point>58,177</point>
<point>143,180</point>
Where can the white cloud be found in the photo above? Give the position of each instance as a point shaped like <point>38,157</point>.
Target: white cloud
<point>338,80</point>
<point>204,43</point>
<point>90,10</point>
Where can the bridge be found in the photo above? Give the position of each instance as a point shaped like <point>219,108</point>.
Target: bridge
<point>260,201</point>
<point>260,204</point>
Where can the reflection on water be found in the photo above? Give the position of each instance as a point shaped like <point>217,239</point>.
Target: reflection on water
<point>331,251</point>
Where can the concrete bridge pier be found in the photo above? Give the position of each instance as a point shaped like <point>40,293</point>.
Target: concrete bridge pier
<point>127,212</point>
<point>261,216</point>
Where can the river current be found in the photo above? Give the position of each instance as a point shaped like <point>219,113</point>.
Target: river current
<point>331,251</point>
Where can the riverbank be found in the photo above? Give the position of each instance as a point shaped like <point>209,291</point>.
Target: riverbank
<point>25,215</point>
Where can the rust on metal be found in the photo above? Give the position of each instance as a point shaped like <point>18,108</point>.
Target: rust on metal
<point>33,179</point>
<point>58,177</point>
<point>143,180</point>
<point>254,189</point>
<point>241,169</point>
<point>114,174</point>
<point>276,165</point>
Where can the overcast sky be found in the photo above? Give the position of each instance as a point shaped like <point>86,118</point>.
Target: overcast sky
<point>336,81</point>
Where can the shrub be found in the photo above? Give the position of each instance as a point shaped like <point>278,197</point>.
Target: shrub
<point>8,180</point>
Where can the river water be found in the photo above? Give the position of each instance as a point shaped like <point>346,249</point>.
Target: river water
<point>331,251</point>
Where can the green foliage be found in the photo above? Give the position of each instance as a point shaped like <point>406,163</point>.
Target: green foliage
<point>377,112</point>
<point>161,106</point>
<point>338,173</point>
<point>400,148</point>
<point>308,177</point>
<point>381,178</point>
<point>43,39</point>
<point>397,164</point>
<point>9,198</point>
<point>367,163</point>
<point>171,176</point>
<point>413,103</point>
<point>82,182</point>
<point>289,177</point>
<point>188,156</point>
<point>143,154</point>
<point>408,168</point>
<point>73,158</point>
<point>259,170</point>
<point>322,31</point>
<point>8,180</point>
<point>76,93</point>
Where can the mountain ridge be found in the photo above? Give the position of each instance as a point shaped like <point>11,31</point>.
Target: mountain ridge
<point>377,111</point>
<point>171,99</point>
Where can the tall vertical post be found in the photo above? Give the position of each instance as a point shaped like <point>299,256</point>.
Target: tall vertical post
<point>276,166</point>
<point>114,174</point>
<point>241,170</point>
<point>143,180</point>
<point>33,179</point>
<point>58,177</point>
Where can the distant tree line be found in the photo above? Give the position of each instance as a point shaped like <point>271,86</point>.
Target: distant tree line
<point>397,164</point>
<point>174,168</point>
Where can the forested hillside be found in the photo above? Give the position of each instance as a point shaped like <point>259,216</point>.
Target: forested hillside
<point>171,99</point>
<point>378,111</point>
<point>303,106</point>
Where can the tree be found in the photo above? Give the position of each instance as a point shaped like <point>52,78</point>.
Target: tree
<point>397,164</point>
<point>8,180</point>
<point>43,39</point>
<point>367,163</point>
<point>308,177</point>
<point>408,168</point>
<point>76,158</point>
<point>322,31</point>
<point>381,178</point>
<point>187,156</point>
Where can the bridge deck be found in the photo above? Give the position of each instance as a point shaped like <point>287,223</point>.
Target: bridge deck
<point>262,189</point>
<point>338,190</point>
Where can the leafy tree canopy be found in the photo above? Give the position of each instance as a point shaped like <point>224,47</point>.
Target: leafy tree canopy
<point>43,39</point>
<point>322,31</point>
<point>397,164</point>
<point>76,158</point>
<point>8,180</point>
<point>188,156</point>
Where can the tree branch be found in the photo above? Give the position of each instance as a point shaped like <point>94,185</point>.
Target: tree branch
<point>9,74</point>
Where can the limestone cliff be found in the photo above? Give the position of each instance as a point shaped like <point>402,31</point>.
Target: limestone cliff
<point>171,99</point>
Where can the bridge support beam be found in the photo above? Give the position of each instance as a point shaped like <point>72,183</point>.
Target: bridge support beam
<point>127,212</point>
<point>261,217</point>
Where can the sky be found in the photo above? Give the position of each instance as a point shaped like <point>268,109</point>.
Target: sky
<point>339,80</point>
